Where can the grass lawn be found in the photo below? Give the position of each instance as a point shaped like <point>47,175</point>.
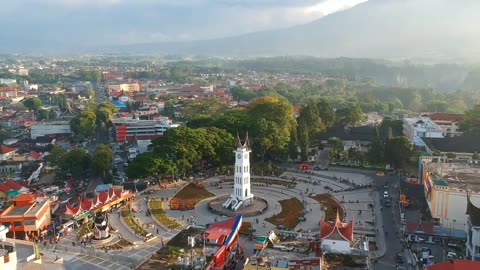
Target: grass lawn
<point>157,211</point>
<point>330,204</point>
<point>128,219</point>
<point>292,210</point>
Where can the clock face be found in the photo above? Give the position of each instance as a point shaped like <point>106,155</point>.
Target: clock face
<point>239,156</point>
<point>246,156</point>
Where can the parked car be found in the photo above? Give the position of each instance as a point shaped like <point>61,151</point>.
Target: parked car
<point>380,174</point>
<point>388,204</point>
<point>399,258</point>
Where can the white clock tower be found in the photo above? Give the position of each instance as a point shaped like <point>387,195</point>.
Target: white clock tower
<point>241,188</point>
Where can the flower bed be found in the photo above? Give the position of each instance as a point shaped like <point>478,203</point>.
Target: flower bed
<point>289,217</point>
<point>188,197</point>
<point>128,219</point>
<point>330,205</point>
<point>84,230</point>
<point>157,210</point>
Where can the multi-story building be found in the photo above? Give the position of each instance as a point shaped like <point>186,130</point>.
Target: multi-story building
<point>446,183</point>
<point>472,229</point>
<point>127,129</point>
<point>9,82</point>
<point>449,122</point>
<point>27,216</point>
<point>50,128</point>
<point>416,128</point>
<point>124,87</point>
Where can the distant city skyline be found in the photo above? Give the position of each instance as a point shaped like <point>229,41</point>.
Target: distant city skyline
<point>93,23</point>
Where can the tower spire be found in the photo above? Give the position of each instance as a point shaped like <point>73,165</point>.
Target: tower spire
<point>239,142</point>
<point>246,144</point>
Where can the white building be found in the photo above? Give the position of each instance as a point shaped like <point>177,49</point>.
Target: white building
<point>125,128</point>
<point>449,122</point>
<point>8,253</point>
<point>421,127</point>
<point>472,229</point>
<point>445,185</point>
<point>50,128</point>
<point>9,82</point>
<point>241,195</point>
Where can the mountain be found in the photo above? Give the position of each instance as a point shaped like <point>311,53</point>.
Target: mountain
<point>395,29</point>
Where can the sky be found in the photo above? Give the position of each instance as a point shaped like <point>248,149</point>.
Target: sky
<point>76,23</point>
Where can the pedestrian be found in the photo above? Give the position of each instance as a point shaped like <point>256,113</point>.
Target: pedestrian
<point>157,230</point>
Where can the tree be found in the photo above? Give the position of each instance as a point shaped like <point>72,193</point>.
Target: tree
<point>102,160</point>
<point>475,156</point>
<point>451,155</point>
<point>471,121</point>
<point>83,124</point>
<point>56,156</point>
<point>327,113</point>
<point>401,151</point>
<point>350,115</point>
<point>336,147</point>
<point>293,144</point>
<point>32,104</point>
<point>376,151</point>
<point>309,125</point>
<point>91,75</point>
<point>45,114</point>
<point>270,121</point>
<point>76,163</point>
<point>240,93</point>
<point>202,107</point>
<point>90,93</point>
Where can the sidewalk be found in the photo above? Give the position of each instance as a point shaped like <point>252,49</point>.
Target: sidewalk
<point>380,236</point>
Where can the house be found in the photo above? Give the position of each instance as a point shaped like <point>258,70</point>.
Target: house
<point>44,141</point>
<point>454,264</point>
<point>472,230</point>
<point>415,128</point>
<point>16,186</point>
<point>358,138</point>
<point>336,237</point>
<point>34,156</point>
<point>6,152</point>
<point>419,231</point>
<point>449,122</point>
<point>10,167</point>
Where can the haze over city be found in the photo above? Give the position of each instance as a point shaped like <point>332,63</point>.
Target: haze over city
<point>240,134</point>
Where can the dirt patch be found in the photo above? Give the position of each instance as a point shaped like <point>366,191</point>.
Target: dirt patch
<point>330,205</point>
<point>189,196</point>
<point>289,217</point>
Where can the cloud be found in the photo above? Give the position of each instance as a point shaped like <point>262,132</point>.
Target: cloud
<point>137,21</point>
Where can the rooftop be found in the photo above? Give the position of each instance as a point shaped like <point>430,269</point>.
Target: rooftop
<point>455,265</point>
<point>455,175</point>
<point>17,211</point>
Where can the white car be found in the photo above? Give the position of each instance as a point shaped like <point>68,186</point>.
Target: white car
<point>385,194</point>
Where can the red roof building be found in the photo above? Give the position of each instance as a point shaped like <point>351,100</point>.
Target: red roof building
<point>453,117</point>
<point>336,237</point>
<point>101,202</point>
<point>455,265</point>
